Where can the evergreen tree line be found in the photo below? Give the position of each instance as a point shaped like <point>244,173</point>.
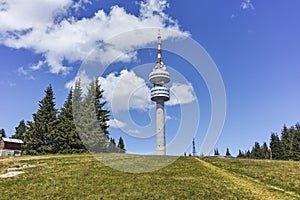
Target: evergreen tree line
<point>285,147</point>
<point>81,124</point>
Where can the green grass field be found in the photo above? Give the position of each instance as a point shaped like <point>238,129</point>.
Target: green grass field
<point>84,177</point>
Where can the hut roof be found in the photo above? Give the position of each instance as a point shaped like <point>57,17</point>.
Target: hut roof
<point>18,141</point>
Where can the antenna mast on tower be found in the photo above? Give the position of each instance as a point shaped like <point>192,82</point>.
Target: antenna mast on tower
<point>158,47</point>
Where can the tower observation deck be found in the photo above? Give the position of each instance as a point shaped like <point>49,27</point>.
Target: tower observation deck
<point>160,93</point>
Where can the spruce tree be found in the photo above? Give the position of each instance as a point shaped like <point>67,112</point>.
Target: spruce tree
<point>227,152</point>
<point>121,145</point>
<point>112,146</point>
<point>2,132</point>
<point>216,152</point>
<point>287,136</point>
<point>67,139</point>
<point>265,151</point>
<point>102,113</point>
<point>276,147</point>
<point>256,152</point>
<point>296,143</point>
<point>77,100</point>
<point>88,124</point>
<point>39,139</point>
<point>248,154</point>
<point>20,130</point>
<point>241,154</point>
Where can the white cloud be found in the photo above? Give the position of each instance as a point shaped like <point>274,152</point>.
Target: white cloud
<point>134,131</point>
<point>181,94</point>
<point>81,4</point>
<point>154,7</point>
<point>246,4</point>
<point>24,72</point>
<point>122,91</point>
<point>125,91</point>
<point>47,28</point>
<point>114,123</point>
<point>129,91</point>
<point>37,66</point>
<point>21,15</point>
<point>168,117</point>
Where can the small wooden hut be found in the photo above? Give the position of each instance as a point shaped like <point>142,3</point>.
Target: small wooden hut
<point>10,147</point>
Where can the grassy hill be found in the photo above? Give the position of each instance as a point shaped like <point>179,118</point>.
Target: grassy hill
<point>84,177</point>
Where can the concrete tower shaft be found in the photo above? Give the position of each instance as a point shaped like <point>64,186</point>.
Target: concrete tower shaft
<point>160,128</point>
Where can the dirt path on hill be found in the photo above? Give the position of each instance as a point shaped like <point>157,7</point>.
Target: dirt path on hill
<point>258,189</point>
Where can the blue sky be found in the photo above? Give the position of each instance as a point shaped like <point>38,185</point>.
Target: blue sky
<point>254,44</point>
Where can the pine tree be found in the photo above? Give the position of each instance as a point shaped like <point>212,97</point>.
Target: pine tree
<point>67,139</point>
<point>265,151</point>
<point>87,123</point>
<point>39,139</point>
<point>227,152</point>
<point>216,152</point>
<point>2,132</point>
<point>287,136</point>
<point>102,114</point>
<point>79,112</point>
<point>257,152</point>
<point>276,147</point>
<point>20,130</point>
<point>77,100</point>
<point>121,145</point>
<point>112,146</point>
<point>248,154</point>
<point>284,142</point>
<point>241,154</point>
<point>296,143</point>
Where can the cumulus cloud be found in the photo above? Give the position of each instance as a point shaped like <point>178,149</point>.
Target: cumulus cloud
<point>21,15</point>
<point>122,91</point>
<point>181,94</point>
<point>47,28</point>
<point>114,123</point>
<point>125,91</point>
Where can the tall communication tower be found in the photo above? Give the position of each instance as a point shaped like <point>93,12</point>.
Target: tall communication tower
<point>194,148</point>
<point>160,93</point>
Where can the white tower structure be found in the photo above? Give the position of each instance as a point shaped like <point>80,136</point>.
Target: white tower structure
<point>160,93</point>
